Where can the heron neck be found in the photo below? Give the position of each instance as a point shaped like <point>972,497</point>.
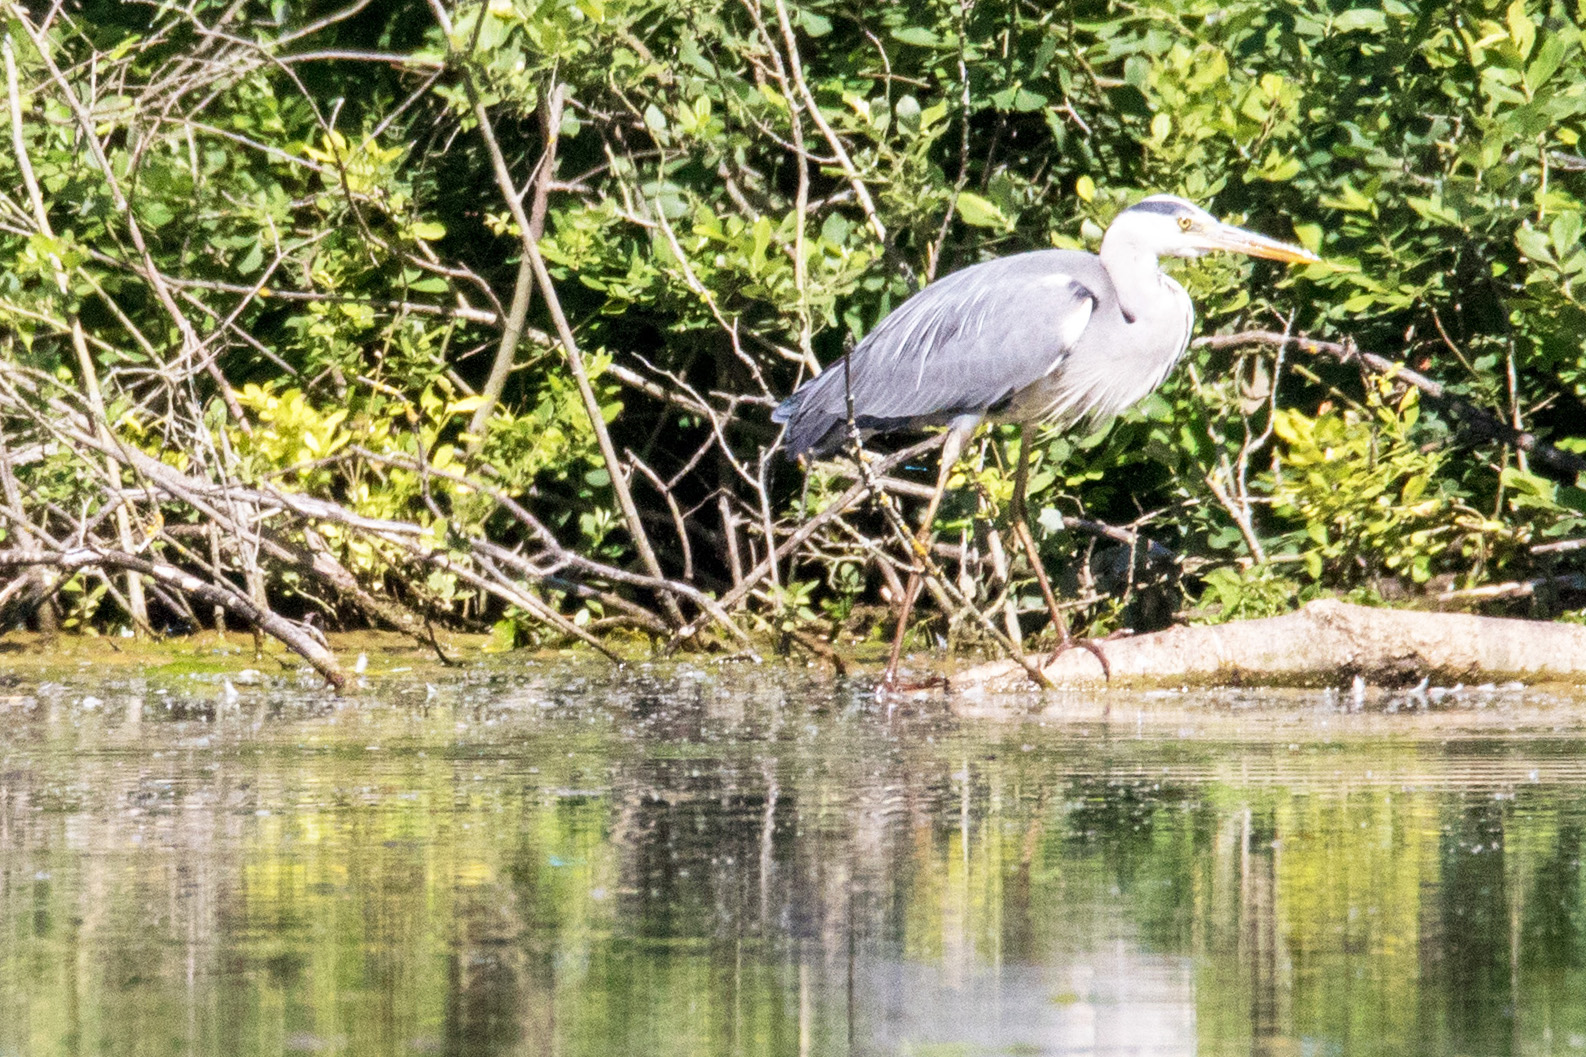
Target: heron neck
<point>1136,278</point>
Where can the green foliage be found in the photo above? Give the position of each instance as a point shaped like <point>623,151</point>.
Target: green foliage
<point>1370,498</point>
<point>741,189</point>
<point>1232,593</point>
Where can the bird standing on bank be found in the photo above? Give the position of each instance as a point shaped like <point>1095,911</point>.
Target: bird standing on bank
<point>1051,335</point>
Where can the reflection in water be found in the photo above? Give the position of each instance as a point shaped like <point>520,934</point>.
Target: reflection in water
<point>1118,1001</point>
<point>679,862</point>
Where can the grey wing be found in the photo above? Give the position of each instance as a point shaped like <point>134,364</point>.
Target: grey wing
<point>961,347</point>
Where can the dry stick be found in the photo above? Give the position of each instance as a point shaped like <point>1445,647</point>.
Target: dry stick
<point>504,588</point>
<point>948,596</point>
<point>1019,525</point>
<point>137,607</point>
<point>766,521</point>
<point>575,358</point>
<point>849,170</point>
<point>1004,573</point>
<point>28,539</point>
<point>1514,589</point>
<point>229,320</point>
<point>729,529</point>
<point>693,594</point>
<point>322,563</point>
<point>523,286</point>
<point>801,200</point>
<point>1235,497</point>
<point>405,539</point>
<point>1126,536</point>
<point>1239,511</point>
<point>1240,514</point>
<point>186,490</point>
<point>1478,419</point>
<point>1248,447</point>
<point>400,534</point>
<point>671,505</point>
<point>803,533</point>
<point>234,601</point>
<point>150,273</point>
<point>212,536</point>
<point>819,649</point>
<point>875,554</point>
<point>564,557</point>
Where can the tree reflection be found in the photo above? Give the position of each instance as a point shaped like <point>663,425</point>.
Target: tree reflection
<point>731,870</point>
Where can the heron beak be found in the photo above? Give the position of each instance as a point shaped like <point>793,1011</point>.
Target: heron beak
<point>1238,240</point>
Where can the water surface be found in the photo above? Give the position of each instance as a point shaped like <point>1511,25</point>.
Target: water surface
<point>555,858</point>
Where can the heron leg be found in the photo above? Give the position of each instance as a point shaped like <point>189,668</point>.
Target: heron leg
<point>1019,515</point>
<point>951,450</point>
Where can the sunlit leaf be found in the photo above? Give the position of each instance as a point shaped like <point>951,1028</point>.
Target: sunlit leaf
<point>980,212</point>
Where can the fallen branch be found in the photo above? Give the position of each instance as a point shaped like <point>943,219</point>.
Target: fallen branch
<point>293,635</point>
<point>1514,589</point>
<point>1325,643</point>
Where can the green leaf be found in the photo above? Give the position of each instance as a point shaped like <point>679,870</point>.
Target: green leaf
<point>1018,99</point>
<point>762,238</point>
<point>1533,243</point>
<point>816,25</point>
<point>1348,198</point>
<point>1279,168</point>
<point>1522,31</point>
<point>252,259</point>
<point>1433,209</point>
<point>918,36</point>
<point>836,228</point>
<point>1564,233</point>
<point>1367,18</point>
<point>155,214</point>
<point>1309,236</point>
<point>907,112</point>
<point>1549,57</point>
<point>503,636</point>
<point>981,212</point>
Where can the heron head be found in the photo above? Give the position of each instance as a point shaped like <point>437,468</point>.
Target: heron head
<point>1168,226</point>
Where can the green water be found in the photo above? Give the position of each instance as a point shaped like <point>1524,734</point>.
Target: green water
<point>561,860</point>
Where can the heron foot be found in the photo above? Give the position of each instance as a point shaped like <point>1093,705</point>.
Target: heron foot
<point>1090,646</point>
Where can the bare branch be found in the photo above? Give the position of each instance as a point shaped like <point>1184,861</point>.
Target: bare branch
<point>1480,421</point>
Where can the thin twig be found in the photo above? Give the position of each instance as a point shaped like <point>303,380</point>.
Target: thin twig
<point>1479,420</point>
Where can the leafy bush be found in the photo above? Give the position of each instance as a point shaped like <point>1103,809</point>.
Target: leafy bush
<point>739,189</point>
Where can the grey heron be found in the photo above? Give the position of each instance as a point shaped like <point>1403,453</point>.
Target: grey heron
<point>1050,335</point>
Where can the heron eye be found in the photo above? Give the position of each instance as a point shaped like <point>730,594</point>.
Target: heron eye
<point>1184,223</point>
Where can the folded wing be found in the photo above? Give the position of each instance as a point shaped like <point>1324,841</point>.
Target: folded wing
<point>959,349</point>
